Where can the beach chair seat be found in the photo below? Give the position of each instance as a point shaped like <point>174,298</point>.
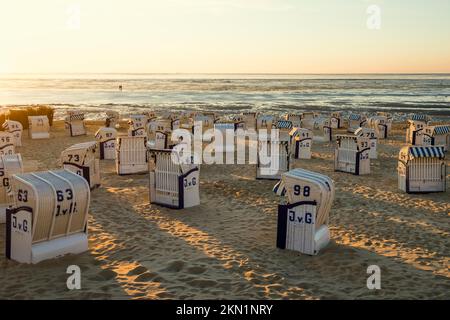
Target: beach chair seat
<point>9,165</point>
<point>81,158</point>
<point>422,169</point>
<point>131,155</point>
<point>352,154</point>
<point>174,182</point>
<point>106,139</point>
<point>301,143</point>
<point>38,127</point>
<point>381,125</point>
<point>437,135</point>
<point>137,125</point>
<point>336,120</point>
<point>16,129</point>
<point>74,123</point>
<point>414,131</point>
<point>49,218</point>
<point>302,220</point>
<point>373,140</point>
<point>7,143</point>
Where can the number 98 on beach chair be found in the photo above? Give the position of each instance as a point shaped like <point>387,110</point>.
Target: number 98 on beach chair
<point>303,218</point>
<point>49,218</point>
<point>174,182</point>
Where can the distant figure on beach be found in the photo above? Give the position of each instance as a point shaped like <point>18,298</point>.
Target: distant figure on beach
<point>120,87</point>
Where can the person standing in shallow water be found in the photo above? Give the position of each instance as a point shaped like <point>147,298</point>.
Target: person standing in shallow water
<point>120,87</point>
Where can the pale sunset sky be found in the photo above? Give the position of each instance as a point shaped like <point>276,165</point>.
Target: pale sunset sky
<point>223,36</point>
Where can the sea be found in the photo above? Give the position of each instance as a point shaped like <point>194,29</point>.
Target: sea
<point>400,94</point>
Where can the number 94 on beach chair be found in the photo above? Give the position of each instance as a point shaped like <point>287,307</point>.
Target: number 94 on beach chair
<point>303,218</point>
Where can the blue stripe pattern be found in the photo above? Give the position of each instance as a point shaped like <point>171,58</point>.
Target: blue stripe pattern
<point>427,152</point>
<point>440,130</point>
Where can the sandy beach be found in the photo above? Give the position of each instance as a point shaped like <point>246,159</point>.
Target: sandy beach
<point>225,248</point>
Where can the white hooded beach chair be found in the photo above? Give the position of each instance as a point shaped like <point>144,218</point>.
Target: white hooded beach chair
<point>322,131</point>
<point>159,133</point>
<point>309,120</point>
<point>296,119</point>
<point>422,169</point>
<point>112,119</point>
<point>373,141</point>
<point>205,122</point>
<point>9,165</point>
<point>16,128</point>
<point>336,120</point>
<point>284,127</point>
<point>6,143</point>
<point>174,182</point>
<point>356,121</point>
<point>303,218</point>
<point>437,135</point>
<point>227,130</point>
<point>381,125</point>
<point>131,155</point>
<point>414,131</point>
<point>81,158</point>
<point>49,218</point>
<point>352,155</point>
<point>38,127</point>
<point>74,123</point>
<point>301,143</point>
<point>273,157</point>
<point>137,125</point>
<point>106,139</point>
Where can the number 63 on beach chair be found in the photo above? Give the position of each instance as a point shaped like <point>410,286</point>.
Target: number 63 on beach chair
<point>303,218</point>
<point>49,218</point>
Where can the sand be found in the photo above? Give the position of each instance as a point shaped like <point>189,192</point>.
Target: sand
<point>225,248</point>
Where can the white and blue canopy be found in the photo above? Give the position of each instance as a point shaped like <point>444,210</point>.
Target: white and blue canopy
<point>426,152</point>
<point>354,116</point>
<point>284,124</point>
<point>441,130</point>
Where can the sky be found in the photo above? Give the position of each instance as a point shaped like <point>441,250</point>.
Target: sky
<point>225,36</point>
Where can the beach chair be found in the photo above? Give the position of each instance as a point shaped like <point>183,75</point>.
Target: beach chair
<point>296,119</point>
<point>38,127</point>
<point>239,122</point>
<point>6,143</point>
<point>276,154</point>
<point>131,155</point>
<point>206,122</point>
<point>422,169</point>
<point>265,122</point>
<point>336,120</point>
<point>437,135</point>
<point>373,141</point>
<point>159,133</point>
<point>49,218</point>
<point>414,131</point>
<point>303,219</point>
<point>9,165</point>
<point>309,120</point>
<point>352,154</point>
<point>74,123</point>
<point>137,125</point>
<point>321,129</point>
<point>381,125</point>
<point>284,127</point>
<point>16,128</point>
<point>106,139</point>
<point>227,130</point>
<point>81,158</point>
<point>301,143</point>
<point>356,121</point>
<point>173,183</point>
<point>112,119</point>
